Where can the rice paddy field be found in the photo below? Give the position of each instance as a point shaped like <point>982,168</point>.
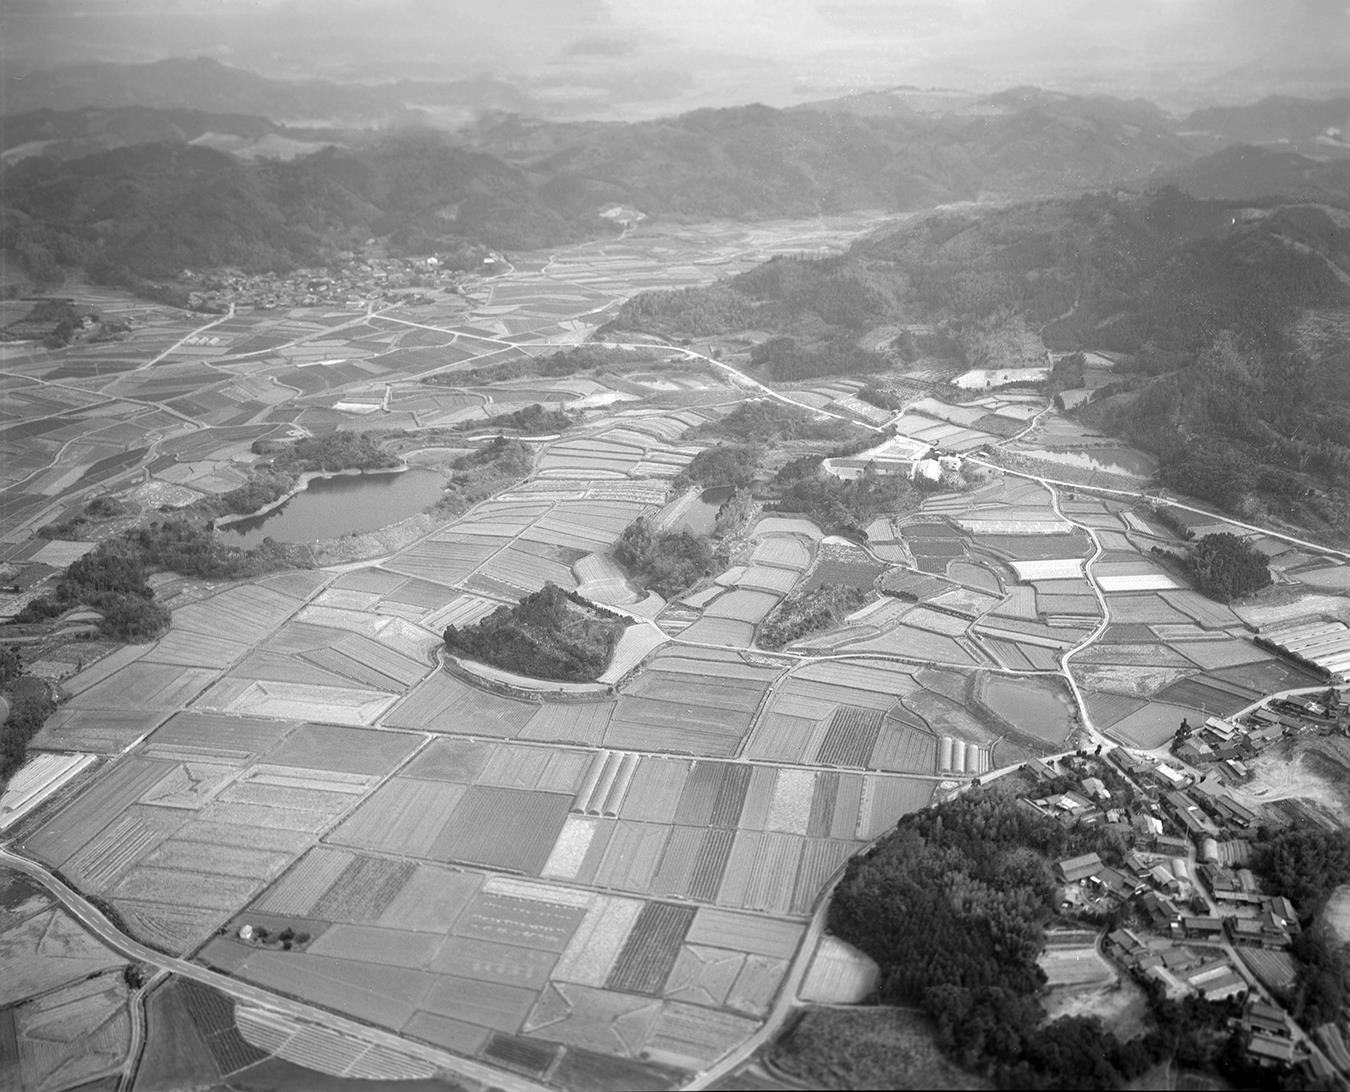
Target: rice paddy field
<point>603,886</point>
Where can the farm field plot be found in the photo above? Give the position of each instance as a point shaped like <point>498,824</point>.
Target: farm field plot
<point>74,1034</point>
<point>101,731</point>
<point>444,703</point>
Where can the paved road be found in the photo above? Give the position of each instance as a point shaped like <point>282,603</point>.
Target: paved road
<point>89,916</point>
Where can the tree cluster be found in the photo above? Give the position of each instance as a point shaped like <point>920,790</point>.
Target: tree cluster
<point>1226,567</point>
<point>550,634</point>
<point>667,563</point>
<point>30,704</point>
<point>766,421</point>
<point>535,420</point>
<point>842,507</point>
<point>804,613</point>
<point>721,464</point>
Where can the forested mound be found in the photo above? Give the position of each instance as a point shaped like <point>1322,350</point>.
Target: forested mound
<point>981,865</point>
<point>548,635</point>
<point>664,562</point>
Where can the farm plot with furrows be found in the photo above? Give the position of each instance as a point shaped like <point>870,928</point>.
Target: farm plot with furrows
<point>683,728</point>
<point>851,736</point>
<point>528,922</point>
<point>416,593</point>
<point>63,1038</point>
<point>821,859</point>
<point>678,860</point>
<point>780,737</point>
<point>404,816</point>
<point>246,613</point>
<point>212,1014</point>
<point>287,798</point>
<point>363,891</point>
<point>656,790</point>
<point>741,605</point>
<point>886,799</point>
<point>1218,654</point>
<point>503,828</point>
<point>822,805</point>
<point>513,766</point>
<point>377,581</point>
<point>599,938</point>
<point>649,953</point>
<point>703,976</point>
<point>122,843</point>
<point>78,822</point>
<point>596,1020</point>
<point>301,887</point>
<point>783,551</point>
<point>369,944</point>
<point>144,685</point>
<point>709,865</point>
<point>1208,613</point>
<point>224,860</point>
<point>459,760</point>
<point>444,703</point>
<point>188,649</point>
<point>693,1036</point>
<point>95,731</point>
<point>631,856</point>
<point>701,789</point>
<point>191,785</point>
<point>443,562</point>
<point>217,737</point>
<point>385,996</point>
<point>904,749</point>
<point>175,887</point>
<point>769,883</point>
<point>765,579</point>
<point>572,722</point>
<point>790,806</point>
<point>1141,655</point>
<point>525,1055</point>
<point>486,961</point>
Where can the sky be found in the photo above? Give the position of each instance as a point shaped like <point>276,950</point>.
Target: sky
<point>723,51</point>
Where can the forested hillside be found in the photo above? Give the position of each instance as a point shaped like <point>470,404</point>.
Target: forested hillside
<point>1229,319</point>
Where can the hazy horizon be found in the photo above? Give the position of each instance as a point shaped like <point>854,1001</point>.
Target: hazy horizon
<point>636,57</point>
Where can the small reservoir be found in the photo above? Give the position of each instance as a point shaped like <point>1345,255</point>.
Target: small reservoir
<point>1037,707</point>
<point>340,505</point>
<point>701,517</point>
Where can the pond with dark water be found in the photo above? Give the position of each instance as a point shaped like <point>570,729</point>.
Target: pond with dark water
<point>700,518</point>
<point>344,504</point>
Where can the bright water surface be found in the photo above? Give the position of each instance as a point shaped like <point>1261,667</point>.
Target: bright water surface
<point>1110,460</point>
<point>340,505</point>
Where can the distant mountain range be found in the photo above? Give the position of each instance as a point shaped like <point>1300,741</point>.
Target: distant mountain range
<point>140,185</point>
<point>70,134</point>
<point>205,84</point>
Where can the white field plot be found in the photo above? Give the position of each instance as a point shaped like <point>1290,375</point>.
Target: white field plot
<point>36,780</point>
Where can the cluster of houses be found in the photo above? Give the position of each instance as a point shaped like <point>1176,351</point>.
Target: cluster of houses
<point>1198,922</point>
<point>352,282</point>
<point>1227,745</point>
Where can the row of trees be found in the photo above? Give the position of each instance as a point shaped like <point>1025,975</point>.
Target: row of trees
<point>30,704</point>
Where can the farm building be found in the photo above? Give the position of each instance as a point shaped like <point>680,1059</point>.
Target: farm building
<point>1074,869</point>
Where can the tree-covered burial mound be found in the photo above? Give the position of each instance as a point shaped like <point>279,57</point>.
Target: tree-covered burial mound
<point>551,634</point>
